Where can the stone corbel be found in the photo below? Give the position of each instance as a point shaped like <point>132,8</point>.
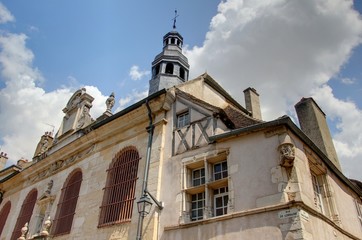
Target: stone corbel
<point>287,151</point>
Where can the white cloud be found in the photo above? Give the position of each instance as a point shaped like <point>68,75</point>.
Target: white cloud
<point>134,97</point>
<point>285,50</point>
<point>5,15</point>
<point>26,110</point>
<point>348,81</point>
<point>136,74</point>
<point>348,140</point>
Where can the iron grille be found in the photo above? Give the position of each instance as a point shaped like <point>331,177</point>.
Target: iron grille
<point>119,191</point>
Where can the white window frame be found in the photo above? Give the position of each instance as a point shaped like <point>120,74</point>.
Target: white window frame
<point>197,208</point>
<point>318,189</point>
<point>201,178</point>
<point>224,206</point>
<point>222,172</point>
<point>183,119</point>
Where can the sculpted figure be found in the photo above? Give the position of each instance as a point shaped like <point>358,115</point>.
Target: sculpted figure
<point>85,118</point>
<point>110,102</point>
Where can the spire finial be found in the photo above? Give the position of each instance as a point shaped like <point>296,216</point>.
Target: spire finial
<point>174,19</point>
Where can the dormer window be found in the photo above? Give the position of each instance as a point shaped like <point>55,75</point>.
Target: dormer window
<point>183,119</point>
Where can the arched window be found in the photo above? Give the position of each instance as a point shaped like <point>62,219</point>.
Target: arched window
<point>182,73</point>
<point>25,213</point>
<point>156,70</point>
<point>169,68</point>
<point>67,203</point>
<point>4,215</point>
<point>119,192</point>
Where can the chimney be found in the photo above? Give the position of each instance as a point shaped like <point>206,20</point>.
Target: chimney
<point>313,123</point>
<point>3,160</point>
<point>252,102</point>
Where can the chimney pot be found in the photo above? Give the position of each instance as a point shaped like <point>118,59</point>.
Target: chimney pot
<point>252,102</point>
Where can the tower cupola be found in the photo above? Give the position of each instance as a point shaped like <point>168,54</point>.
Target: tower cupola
<point>170,67</point>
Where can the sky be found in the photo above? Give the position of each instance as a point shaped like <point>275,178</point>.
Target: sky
<point>285,49</point>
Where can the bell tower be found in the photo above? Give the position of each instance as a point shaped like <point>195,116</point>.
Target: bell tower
<point>170,67</point>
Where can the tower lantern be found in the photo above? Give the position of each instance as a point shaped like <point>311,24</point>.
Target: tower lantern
<point>170,67</point>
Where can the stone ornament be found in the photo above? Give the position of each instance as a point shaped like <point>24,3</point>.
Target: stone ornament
<point>287,154</point>
<point>46,226</point>
<point>286,150</point>
<point>24,231</point>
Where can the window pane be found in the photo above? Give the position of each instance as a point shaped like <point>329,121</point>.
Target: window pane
<point>197,206</point>
<point>193,197</point>
<point>220,170</point>
<point>221,201</point>
<point>218,202</point>
<point>200,212</point>
<point>219,212</point>
<point>217,176</point>
<point>198,177</point>
<point>183,119</point>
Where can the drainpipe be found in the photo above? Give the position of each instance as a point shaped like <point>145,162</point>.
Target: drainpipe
<point>149,129</point>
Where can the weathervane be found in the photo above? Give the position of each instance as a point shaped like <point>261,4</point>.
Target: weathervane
<point>174,19</point>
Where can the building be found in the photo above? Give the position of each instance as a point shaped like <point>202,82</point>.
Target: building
<point>211,168</point>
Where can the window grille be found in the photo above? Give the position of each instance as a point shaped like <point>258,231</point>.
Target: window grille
<point>25,213</point>
<point>4,215</point>
<point>67,204</point>
<point>119,191</point>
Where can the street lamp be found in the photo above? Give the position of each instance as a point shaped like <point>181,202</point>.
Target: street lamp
<point>144,205</point>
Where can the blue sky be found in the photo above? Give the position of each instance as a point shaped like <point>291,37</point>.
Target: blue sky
<point>284,49</point>
<point>98,42</point>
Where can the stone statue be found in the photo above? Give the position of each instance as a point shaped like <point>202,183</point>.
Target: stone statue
<point>85,118</point>
<point>50,185</point>
<point>110,102</point>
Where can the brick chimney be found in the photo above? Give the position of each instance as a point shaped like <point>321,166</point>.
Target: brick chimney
<point>252,102</point>
<point>313,123</point>
<point>3,160</point>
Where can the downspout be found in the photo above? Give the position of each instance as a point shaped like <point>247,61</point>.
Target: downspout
<point>149,129</point>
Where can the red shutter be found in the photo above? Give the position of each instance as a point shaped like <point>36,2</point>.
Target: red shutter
<point>4,215</point>
<point>67,204</point>
<point>25,213</point>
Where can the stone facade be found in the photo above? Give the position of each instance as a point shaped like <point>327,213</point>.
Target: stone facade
<point>216,169</point>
